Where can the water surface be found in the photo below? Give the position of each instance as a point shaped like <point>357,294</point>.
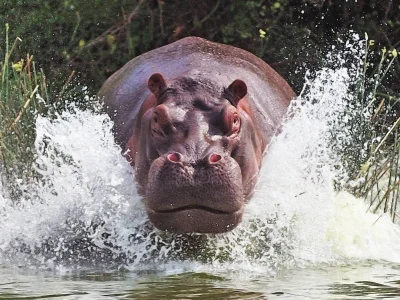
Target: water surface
<point>367,280</point>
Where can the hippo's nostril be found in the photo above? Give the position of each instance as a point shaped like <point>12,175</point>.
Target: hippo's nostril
<point>214,158</point>
<point>174,157</point>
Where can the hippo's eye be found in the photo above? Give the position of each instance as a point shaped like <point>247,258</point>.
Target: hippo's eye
<point>231,122</point>
<point>161,126</point>
<point>235,123</point>
<point>155,127</point>
<point>236,120</point>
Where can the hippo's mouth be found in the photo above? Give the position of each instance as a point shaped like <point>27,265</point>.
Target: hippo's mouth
<point>192,207</point>
<point>195,218</point>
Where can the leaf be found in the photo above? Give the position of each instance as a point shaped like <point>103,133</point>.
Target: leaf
<point>81,43</point>
<point>18,65</point>
<point>364,167</point>
<point>276,5</point>
<point>110,39</point>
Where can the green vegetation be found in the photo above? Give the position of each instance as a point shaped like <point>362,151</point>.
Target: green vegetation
<point>379,175</point>
<point>94,38</point>
<point>23,95</point>
<point>85,41</point>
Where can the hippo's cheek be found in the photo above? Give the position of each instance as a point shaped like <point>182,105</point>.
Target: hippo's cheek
<point>195,197</point>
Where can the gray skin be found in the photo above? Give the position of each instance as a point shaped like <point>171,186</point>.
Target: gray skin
<point>194,119</point>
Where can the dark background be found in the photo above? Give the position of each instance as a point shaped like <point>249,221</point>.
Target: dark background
<point>93,38</point>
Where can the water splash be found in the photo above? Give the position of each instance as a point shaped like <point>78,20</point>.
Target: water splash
<point>85,211</point>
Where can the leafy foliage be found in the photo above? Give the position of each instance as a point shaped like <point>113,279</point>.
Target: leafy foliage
<point>94,38</point>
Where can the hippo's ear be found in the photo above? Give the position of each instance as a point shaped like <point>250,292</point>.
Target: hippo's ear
<point>238,89</point>
<point>156,84</point>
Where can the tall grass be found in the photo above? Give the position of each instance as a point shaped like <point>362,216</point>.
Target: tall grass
<point>378,178</point>
<point>23,96</point>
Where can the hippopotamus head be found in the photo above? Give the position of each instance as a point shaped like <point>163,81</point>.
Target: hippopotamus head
<point>197,154</point>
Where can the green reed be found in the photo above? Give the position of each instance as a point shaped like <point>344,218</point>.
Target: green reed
<point>378,178</point>
<point>23,96</point>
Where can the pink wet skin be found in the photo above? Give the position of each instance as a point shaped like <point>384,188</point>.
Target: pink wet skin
<point>195,118</point>
<point>175,157</point>
<point>214,158</point>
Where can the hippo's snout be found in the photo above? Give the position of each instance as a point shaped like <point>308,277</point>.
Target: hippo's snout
<point>204,196</point>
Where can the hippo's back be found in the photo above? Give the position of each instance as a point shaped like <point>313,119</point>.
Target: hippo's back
<point>125,91</point>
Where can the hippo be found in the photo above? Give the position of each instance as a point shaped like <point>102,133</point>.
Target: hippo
<point>194,119</point>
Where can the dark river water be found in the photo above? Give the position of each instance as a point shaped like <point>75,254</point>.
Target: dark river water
<point>368,280</point>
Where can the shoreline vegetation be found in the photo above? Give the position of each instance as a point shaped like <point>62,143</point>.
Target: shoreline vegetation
<point>72,44</point>
<point>23,95</point>
<point>375,176</point>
